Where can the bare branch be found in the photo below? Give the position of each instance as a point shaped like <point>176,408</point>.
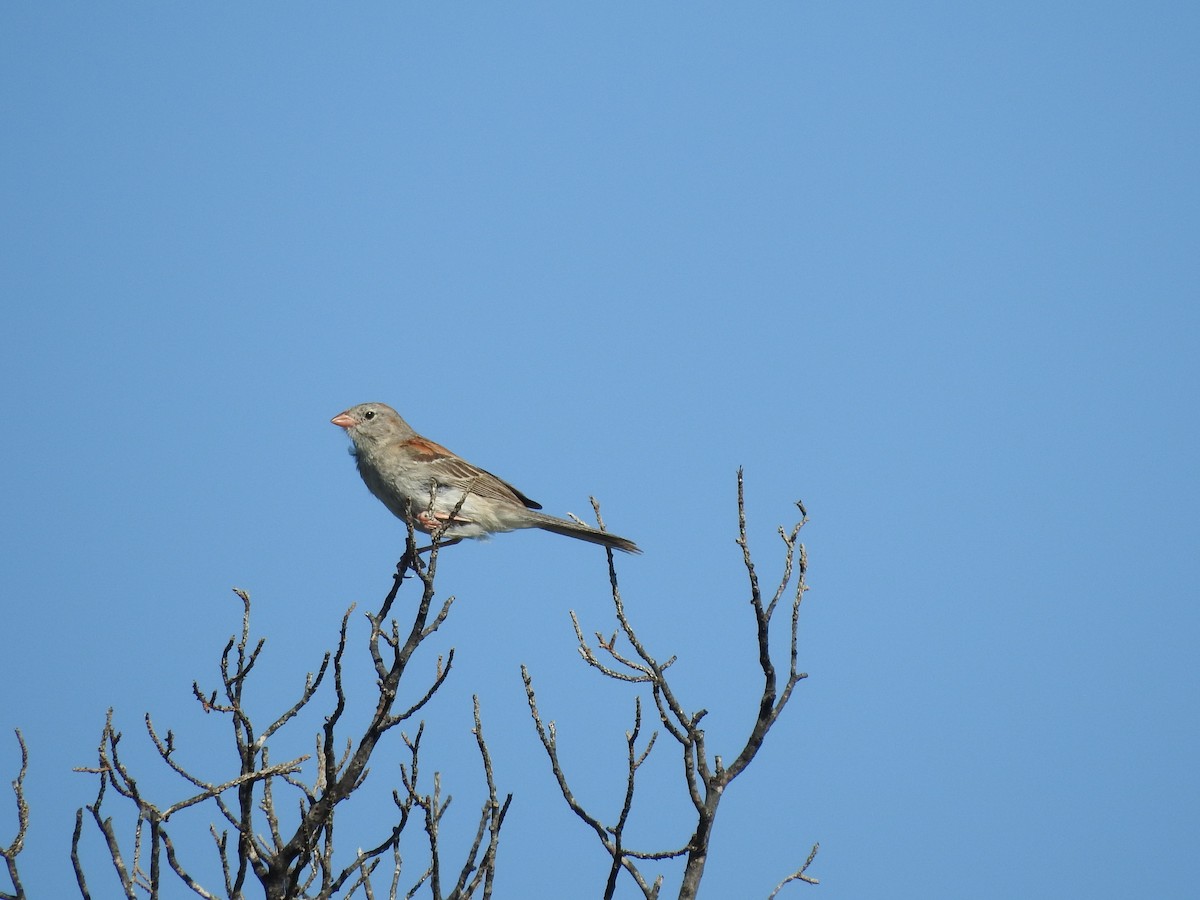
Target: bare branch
<point>798,875</point>
<point>609,837</point>
<point>9,853</point>
<point>209,790</point>
<point>80,879</point>
<point>491,820</point>
<point>706,779</point>
<point>770,705</point>
<point>222,842</point>
<point>110,838</point>
<point>295,864</point>
<point>609,646</point>
<point>550,743</point>
<point>439,678</point>
<point>187,879</point>
<point>310,688</point>
<point>366,859</point>
<point>635,761</point>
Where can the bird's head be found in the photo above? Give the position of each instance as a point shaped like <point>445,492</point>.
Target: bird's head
<point>371,424</point>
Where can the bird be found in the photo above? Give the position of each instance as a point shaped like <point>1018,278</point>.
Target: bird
<point>422,482</point>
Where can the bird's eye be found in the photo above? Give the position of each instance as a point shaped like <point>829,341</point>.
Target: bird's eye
<point>369,414</point>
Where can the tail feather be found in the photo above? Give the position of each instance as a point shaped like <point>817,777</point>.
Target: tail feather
<point>585,533</point>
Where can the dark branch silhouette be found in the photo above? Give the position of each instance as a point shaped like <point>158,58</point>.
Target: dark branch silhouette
<point>9,853</point>
<point>706,776</point>
<point>300,862</point>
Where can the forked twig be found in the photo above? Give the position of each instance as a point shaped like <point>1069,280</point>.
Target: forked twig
<point>706,777</point>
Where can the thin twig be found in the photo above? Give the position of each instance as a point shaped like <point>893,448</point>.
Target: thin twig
<point>799,875</point>
<point>9,853</point>
<point>706,778</point>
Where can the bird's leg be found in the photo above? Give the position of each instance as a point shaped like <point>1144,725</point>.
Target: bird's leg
<point>435,522</point>
<point>428,521</point>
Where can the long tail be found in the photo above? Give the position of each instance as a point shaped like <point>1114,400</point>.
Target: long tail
<point>584,533</point>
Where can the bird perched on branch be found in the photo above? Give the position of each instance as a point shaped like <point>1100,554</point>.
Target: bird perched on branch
<point>423,483</point>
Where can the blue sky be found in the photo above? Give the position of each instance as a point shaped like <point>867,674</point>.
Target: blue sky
<point>931,268</point>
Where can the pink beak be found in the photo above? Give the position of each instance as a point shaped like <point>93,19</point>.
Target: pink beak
<point>342,420</point>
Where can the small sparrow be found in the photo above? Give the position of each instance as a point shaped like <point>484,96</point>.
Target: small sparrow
<point>407,472</point>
